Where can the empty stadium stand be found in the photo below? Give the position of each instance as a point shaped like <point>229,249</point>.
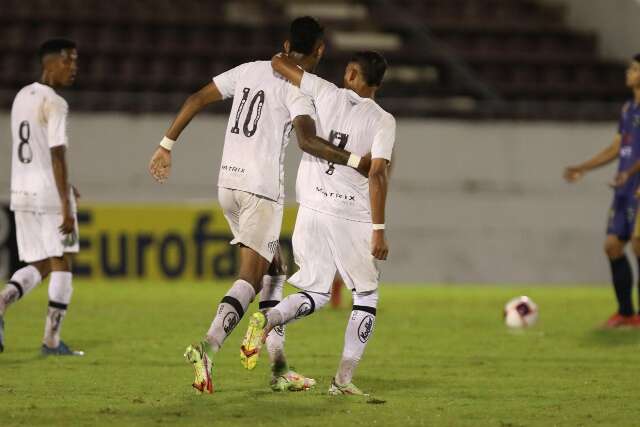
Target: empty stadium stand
<point>511,59</point>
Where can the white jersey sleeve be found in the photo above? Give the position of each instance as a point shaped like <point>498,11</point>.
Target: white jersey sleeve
<point>226,82</point>
<point>298,103</point>
<point>56,111</point>
<point>315,86</point>
<point>384,138</point>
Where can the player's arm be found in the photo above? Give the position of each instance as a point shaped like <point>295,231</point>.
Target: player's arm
<point>378,184</point>
<point>60,174</point>
<point>604,157</point>
<point>55,110</point>
<point>312,144</point>
<point>381,152</point>
<point>160,164</point>
<point>286,67</point>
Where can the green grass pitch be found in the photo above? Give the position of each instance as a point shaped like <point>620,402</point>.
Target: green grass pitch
<point>440,356</point>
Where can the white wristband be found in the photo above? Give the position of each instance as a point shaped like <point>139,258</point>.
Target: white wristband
<point>378,226</point>
<point>167,143</point>
<point>354,161</point>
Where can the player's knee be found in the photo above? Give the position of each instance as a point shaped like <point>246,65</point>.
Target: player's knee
<point>366,299</point>
<point>614,248</point>
<point>43,267</point>
<point>62,263</point>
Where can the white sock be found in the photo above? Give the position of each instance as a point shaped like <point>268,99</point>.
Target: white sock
<point>296,306</point>
<point>270,296</point>
<point>60,291</point>
<point>22,282</point>
<point>231,309</point>
<point>359,330</point>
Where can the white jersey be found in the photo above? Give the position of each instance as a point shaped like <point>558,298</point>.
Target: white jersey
<point>38,123</point>
<point>356,124</point>
<point>260,122</point>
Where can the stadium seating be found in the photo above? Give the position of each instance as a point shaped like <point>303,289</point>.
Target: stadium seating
<point>450,58</point>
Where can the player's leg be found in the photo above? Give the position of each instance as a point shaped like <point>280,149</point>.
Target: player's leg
<point>270,296</point>
<point>359,330</point>
<point>255,223</point>
<point>316,271</point>
<point>619,229</point>
<point>31,250</point>
<point>635,242</point>
<point>283,378</point>
<point>60,291</point>
<point>60,247</point>
<point>351,244</point>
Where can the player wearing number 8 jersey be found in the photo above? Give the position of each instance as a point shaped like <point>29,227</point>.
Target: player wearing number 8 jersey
<point>250,186</point>
<point>41,197</point>
<point>340,223</point>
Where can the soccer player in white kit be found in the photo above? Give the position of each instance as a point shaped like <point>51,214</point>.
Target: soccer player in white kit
<point>41,198</point>
<point>340,225</point>
<point>266,108</point>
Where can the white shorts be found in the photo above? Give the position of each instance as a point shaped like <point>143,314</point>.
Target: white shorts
<point>255,221</point>
<point>39,238</point>
<point>324,244</point>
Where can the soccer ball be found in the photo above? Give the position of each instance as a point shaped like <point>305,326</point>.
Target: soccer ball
<point>520,312</point>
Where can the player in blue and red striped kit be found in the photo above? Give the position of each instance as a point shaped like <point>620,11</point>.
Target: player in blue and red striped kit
<point>623,212</point>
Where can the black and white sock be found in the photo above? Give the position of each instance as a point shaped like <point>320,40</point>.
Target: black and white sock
<point>22,282</point>
<point>623,284</point>
<point>231,309</point>
<point>359,330</point>
<point>60,291</point>
<point>296,306</point>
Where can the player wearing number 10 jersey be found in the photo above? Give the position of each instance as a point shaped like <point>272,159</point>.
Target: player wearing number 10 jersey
<point>266,108</point>
<point>340,223</point>
<point>41,198</point>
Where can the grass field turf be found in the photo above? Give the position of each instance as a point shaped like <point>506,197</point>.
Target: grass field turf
<point>440,356</point>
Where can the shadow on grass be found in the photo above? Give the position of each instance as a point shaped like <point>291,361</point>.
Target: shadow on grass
<point>613,337</point>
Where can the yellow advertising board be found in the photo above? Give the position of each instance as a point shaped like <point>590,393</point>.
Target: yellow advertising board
<point>163,242</point>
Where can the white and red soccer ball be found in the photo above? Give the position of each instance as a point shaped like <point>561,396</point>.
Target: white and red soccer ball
<point>520,312</point>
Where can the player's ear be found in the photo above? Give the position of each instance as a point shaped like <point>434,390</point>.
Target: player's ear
<point>320,50</point>
<point>287,47</point>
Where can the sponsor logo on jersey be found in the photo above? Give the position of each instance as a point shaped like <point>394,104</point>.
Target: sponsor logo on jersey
<point>232,169</point>
<point>336,196</point>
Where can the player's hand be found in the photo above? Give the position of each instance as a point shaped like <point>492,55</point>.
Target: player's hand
<point>379,247</point>
<point>619,180</point>
<point>68,225</point>
<point>573,173</point>
<point>364,165</point>
<point>160,165</point>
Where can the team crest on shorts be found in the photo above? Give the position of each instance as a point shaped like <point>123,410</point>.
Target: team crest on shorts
<point>279,330</point>
<point>365,328</point>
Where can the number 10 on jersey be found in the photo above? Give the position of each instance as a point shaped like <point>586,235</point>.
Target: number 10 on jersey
<point>250,120</point>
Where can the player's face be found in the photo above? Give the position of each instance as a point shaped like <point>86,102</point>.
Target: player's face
<point>633,75</point>
<point>67,67</point>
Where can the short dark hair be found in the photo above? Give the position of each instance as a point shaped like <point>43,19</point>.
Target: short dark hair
<point>373,66</point>
<point>54,46</point>
<point>636,57</point>
<point>304,33</point>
